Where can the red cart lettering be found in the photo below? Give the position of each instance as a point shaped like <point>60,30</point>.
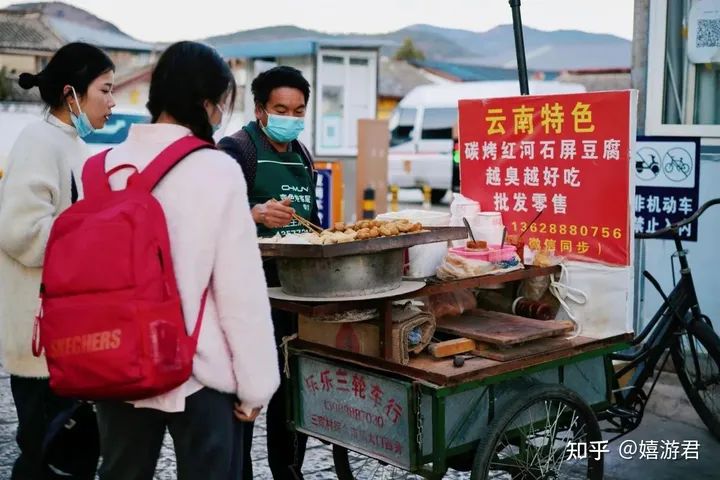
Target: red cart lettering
<point>358,384</point>
<point>393,410</point>
<point>311,384</point>
<point>341,379</point>
<point>326,380</point>
<point>376,393</point>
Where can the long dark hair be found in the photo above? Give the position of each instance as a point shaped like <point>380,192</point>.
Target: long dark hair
<point>76,64</point>
<point>187,74</point>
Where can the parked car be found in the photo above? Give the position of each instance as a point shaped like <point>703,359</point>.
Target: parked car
<point>421,139</point>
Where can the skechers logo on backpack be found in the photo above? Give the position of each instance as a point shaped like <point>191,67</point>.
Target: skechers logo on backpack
<point>88,343</point>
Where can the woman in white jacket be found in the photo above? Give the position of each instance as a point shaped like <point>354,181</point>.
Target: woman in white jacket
<point>212,237</point>
<point>76,87</point>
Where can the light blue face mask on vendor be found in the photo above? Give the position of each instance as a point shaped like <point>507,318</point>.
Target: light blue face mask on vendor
<point>81,122</point>
<point>283,128</point>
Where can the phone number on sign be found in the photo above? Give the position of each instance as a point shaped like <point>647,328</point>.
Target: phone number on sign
<point>573,230</point>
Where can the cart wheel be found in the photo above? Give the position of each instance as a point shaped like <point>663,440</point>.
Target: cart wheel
<point>696,356</point>
<point>350,466</point>
<point>532,436</point>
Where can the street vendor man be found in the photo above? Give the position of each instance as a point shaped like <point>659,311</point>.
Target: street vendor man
<point>280,182</point>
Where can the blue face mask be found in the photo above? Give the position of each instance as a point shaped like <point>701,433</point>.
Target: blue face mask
<point>216,127</point>
<point>283,128</point>
<point>81,122</point>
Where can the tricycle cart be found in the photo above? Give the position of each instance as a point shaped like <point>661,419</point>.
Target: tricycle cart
<point>532,417</point>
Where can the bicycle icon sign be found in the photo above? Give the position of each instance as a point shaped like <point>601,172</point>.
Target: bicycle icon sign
<point>666,172</point>
<point>677,164</point>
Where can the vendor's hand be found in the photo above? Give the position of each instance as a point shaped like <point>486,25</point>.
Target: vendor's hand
<point>244,417</point>
<point>273,214</point>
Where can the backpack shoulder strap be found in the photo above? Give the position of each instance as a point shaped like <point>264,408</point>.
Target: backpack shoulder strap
<point>94,179</point>
<point>167,159</point>
<point>241,147</point>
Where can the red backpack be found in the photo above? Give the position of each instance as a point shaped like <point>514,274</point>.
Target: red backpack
<point>111,321</point>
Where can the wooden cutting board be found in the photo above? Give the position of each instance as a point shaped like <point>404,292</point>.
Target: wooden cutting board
<point>534,347</point>
<point>500,328</point>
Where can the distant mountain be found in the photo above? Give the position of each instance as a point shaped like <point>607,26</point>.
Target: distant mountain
<point>499,38</point>
<point>266,33</point>
<point>428,42</point>
<point>67,12</point>
<point>555,50</point>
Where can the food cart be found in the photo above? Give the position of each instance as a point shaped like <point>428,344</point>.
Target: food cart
<point>515,416</point>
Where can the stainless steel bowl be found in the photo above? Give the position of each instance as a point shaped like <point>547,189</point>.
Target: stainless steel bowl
<point>345,276</point>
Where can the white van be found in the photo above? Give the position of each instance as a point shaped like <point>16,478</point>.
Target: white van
<point>421,140</point>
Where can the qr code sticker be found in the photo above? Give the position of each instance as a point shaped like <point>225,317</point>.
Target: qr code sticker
<point>708,33</point>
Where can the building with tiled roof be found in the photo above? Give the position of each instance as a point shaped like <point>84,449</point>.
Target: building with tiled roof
<point>26,41</point>
<point>30,34</point>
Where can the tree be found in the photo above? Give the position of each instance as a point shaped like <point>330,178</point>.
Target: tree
<point>409,52</point>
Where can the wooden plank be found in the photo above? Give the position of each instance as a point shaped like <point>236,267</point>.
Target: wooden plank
<point>360,247</point>
<point>482,281</point>
<point>529,349</point>
<point>380,364</point>
<point>482,368</point>
<point>500,328</point>
<point>441,372</point>
<point>451,347</point>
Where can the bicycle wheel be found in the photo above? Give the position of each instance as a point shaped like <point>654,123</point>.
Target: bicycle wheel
<point>696,355</point>
<point>350,466</point>
<point>532,438</point>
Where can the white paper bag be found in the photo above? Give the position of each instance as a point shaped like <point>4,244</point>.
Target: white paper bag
<point>599,298</point>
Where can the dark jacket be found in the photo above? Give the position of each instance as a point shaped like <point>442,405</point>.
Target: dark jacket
<point>240,146</point>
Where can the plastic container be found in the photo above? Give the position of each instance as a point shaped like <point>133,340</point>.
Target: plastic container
<point>492,234</point>
<point>493,253</point>
<point>462,206</point>
<point>423,260</point>
<point>471,254</point>
<point>500,255</point>
<point>488,219</point>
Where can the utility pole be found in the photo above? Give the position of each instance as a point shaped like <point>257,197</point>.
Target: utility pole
<point>519,47</point>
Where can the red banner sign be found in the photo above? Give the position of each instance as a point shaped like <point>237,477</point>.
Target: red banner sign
<point>566,156</point>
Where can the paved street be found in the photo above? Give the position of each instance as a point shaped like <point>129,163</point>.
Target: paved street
<point>319,466</point>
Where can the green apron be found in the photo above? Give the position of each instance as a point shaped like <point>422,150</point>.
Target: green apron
<point>281,175</point>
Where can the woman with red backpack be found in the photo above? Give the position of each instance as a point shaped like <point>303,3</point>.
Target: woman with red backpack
<point>76,87</point>
<point>217,266</point>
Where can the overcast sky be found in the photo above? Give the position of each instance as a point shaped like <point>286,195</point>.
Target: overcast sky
<point>194,19</point>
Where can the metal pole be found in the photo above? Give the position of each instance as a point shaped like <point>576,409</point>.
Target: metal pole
<point>519,47</point>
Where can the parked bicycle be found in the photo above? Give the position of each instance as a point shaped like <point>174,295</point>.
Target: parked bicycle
<point>679,329</point>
